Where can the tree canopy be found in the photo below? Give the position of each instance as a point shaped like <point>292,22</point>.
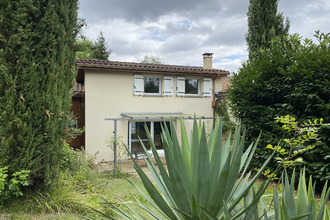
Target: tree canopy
<point>151,59</point>
<point>292,77</point>
<point>87,49</point>
<point>264,23</point>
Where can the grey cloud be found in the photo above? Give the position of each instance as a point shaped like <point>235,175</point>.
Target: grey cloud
<point>137,10</point>
<point>217,26</point>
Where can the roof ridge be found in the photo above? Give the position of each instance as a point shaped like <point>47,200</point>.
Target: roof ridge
<point>108,63</point>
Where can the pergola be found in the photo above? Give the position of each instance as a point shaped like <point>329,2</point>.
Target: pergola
<point>148,116</point>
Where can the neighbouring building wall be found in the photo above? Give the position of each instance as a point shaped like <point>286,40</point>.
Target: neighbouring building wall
<point>108,94</point>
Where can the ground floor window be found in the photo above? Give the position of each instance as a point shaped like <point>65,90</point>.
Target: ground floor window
<point>136,131</point>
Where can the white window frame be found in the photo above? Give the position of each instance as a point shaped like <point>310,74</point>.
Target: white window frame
<point>160,86</point>
<point>152,131</point>
<point>138,85</point>
<point>181,84</point>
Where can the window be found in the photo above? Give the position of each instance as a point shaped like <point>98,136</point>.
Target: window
<point>136,131</point>
<point>146,85</point>
<point>191,87</point>
<point>187,86</point>
<point>152,85</point>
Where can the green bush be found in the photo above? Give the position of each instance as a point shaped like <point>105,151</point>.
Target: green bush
<point>10,185</point>
<point>72,191</point>
<point>222,111</point>
<point>291,77</point>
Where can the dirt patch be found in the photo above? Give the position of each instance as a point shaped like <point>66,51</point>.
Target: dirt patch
<point>125,166</point>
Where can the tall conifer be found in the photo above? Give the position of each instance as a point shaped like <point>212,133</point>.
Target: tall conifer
<point>36,75</point>
<point>264,24</point>
<point>100,49</point>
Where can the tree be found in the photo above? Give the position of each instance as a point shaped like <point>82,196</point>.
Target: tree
<point>151,59</point>
<point>100,49</point>
<point>264,24</point>
<point>86,49</point>
<point>291,77</point>
<point>37,71</point>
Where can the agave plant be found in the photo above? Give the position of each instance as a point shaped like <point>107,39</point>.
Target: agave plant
<point>304,206</point>
<point>204,179</point>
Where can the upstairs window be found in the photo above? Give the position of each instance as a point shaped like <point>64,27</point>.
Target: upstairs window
<point>152,85</point>
<point>186,86</point>
<point>146,85</point>
<point>191,87</point>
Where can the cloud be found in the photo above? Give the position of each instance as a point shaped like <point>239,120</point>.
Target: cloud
<point>179,32</point>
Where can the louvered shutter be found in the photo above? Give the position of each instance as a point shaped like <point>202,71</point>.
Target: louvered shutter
<point>180,86</point>
<point>138,85</point>
<point>207,87</point>
<point>168,86</point>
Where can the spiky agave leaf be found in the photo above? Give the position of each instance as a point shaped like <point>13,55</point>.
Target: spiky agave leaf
<point>201,176</point>
<point>304,206</point>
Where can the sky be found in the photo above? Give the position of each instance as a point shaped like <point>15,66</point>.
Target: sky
<point>180,31</point>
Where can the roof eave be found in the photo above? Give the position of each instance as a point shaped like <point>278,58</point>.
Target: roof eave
<point>173,71</point>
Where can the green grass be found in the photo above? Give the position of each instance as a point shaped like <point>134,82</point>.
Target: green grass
<point>71,202</point>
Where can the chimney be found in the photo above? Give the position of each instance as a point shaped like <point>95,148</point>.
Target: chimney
<point>207,60</point>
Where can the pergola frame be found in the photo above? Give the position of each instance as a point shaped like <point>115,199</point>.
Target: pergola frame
<point>152,116</point>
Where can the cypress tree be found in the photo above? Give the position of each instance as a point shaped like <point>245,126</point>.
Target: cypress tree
<point>36,75</point>
<point>264,24</point>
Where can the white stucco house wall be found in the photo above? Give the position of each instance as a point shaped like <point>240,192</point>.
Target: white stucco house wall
<point>138,94</point>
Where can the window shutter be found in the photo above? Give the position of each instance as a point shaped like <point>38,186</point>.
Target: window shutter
<point>207,87</point>
<point>138,85</point>
<point>180,86</point>
<point>168,86</point>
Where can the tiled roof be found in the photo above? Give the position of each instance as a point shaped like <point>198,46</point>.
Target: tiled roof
<point>145,67</point>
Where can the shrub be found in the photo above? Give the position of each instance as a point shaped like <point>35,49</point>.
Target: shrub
<point>10,185</point>
<point>291,77</point>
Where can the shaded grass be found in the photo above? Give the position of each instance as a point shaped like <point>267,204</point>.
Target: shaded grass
<point>72,201</point>
<point>69,200</point>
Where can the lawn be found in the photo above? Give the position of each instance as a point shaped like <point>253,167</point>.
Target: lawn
<point>100,186</point>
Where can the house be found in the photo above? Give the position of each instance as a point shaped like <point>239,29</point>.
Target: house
<point>118,98</point>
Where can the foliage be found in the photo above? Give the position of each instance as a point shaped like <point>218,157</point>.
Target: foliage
<point>204,178</point>
<point>290,77</point>
<point>264,24</point>
<point>37,72</point>
<point>120,147</point>
<point>301,206</point>
<point>10,186</point>
<point>86,49</point>
<point>151,59</point>
<point>100,49</point>
<point>222,111</point>
<point>65,196</point>
<point>73,191</point>
<point>303,138</point>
